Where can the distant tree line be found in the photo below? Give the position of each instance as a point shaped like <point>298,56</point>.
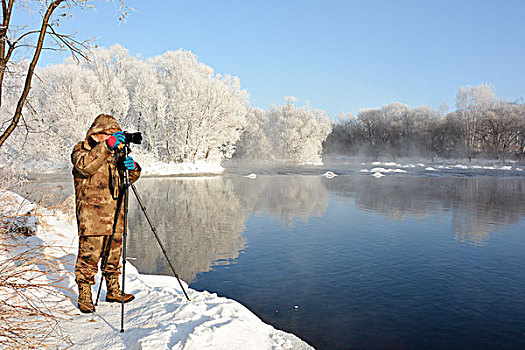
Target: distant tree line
<point>481,126</point>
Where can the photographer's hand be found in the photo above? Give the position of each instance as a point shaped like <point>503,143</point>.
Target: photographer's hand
<point>115,140</point>
<point>130,163</point>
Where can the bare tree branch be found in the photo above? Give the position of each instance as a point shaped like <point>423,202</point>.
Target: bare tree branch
<point>27,86</point>
<point>63,42</point>
<point>70,43</point>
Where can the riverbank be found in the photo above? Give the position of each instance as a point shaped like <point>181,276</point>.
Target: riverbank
<point>159,317</point>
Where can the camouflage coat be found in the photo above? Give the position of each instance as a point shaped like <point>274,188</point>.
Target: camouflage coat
<point>94,167</point>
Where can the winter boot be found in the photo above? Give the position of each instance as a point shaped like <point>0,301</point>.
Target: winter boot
<point>114,294</point>
<point>85,304</point>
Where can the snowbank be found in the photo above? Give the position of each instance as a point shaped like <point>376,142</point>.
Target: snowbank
<point>151,166</point>
<point>156,168</point>
<point>159,317</point>
<point>383,170</point>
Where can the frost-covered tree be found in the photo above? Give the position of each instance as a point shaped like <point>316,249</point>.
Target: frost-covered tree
<point>254,142</point>
<point>111,97</point>
<point>471,103</point>
<point>186,112</point>
<point>206,111</point>
<point>147,110</point>
<point>63,104</point>
<point>286,133</point>
<point>298,132</point>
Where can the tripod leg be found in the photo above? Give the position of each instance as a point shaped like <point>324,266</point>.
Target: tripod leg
<point>106,252</point>
<point>124,239</point>
<point>158,239</point>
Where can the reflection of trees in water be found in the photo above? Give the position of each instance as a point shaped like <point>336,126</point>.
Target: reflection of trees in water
<point>479,205</point>
<point>284,197</point>
<point>199,221</point>
<point>395,197</point>
<point>486,205</point>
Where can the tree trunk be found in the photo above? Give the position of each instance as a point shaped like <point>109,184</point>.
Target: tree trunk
<point>6,12</point>
<point>30,72</point>
<point>168,146</point>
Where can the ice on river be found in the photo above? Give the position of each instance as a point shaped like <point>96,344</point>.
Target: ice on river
<point>486,167</point>
<point>329,175</point>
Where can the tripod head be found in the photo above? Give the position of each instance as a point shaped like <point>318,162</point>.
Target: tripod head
<point>119,176</point>
<point>122,153</point>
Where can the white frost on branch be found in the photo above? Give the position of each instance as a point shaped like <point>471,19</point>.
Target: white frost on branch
<point>186,112</point>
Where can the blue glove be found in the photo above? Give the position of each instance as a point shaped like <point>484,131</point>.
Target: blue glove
<point>115,139</point>
<point>130,163</point>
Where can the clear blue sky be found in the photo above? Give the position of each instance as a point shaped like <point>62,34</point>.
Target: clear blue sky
<point>338,55</point>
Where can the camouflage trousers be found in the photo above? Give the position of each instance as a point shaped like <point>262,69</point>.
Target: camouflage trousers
<point>91,250</point>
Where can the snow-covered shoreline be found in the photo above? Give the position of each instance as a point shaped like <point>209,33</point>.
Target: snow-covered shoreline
<point>150,167</point>
<point>159,317</point>
<point>158,168</point>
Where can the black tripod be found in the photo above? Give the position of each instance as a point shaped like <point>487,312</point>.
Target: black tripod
<point>123,196</point>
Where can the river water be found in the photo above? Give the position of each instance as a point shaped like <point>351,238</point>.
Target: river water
<point>352,262</point>
<point>406,261</point>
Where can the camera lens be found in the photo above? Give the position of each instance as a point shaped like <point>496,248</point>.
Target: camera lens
<point>133,137</point>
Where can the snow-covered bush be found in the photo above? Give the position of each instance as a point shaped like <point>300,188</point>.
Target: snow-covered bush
<point>29,315</point>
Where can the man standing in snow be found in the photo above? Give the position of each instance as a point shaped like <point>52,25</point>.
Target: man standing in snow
<point>97,179</point>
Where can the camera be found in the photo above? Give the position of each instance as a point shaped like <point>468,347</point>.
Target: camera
<point>133,137</point>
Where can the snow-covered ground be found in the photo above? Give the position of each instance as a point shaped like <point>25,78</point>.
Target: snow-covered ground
<point>159,317</point>
<point>157,168</point>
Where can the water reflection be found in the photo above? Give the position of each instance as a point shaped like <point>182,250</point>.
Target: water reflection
<point>284,197</point>
<point>479,205</point>
<point>201,220</point>
<point>484,205</point>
